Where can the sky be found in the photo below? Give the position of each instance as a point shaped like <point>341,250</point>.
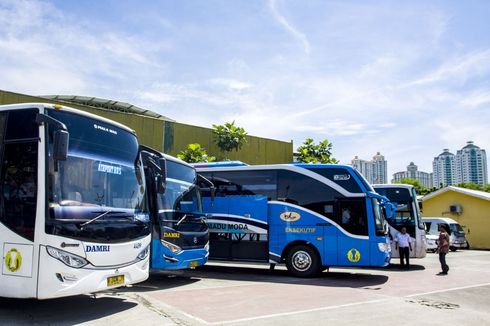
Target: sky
<point>404,78</point>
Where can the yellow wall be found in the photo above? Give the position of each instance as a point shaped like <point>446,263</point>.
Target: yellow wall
<point>173,137</point>
<point>475,216</point>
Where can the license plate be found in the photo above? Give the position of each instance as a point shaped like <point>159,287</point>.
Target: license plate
<point>193,263</point>
<point>115,280</point>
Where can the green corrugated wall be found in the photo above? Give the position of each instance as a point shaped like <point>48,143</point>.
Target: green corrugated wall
<point>256,151</point>
<point>173,137</point>
<point>149,130</point>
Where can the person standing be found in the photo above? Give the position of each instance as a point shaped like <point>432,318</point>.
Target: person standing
<point>443,248</point>
<point>403,244</point>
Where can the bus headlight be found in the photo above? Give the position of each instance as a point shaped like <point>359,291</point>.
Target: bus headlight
<point>383,247</point>
<point>206,247</point>
<point>67,258</point>
<point>144,253</point>
<point>170,246</point>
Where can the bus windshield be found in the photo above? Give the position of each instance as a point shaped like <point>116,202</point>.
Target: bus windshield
<point>417,210</point>
<point>407,214</point>
<point>102,173</point>
<point>379,217</point>
<point>181,194</point>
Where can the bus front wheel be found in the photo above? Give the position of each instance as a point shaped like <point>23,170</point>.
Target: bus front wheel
<point>303,261</point>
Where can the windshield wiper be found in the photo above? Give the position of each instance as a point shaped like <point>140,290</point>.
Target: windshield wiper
<point>95,218</point>
<point>182,219</point>
<point>130,217</point>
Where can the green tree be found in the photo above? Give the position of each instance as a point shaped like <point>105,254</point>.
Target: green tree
<point>309,152</point>
<point>469,185</point>
<point>194,154</point>
<point>229,137</point>
<point>420,189</point>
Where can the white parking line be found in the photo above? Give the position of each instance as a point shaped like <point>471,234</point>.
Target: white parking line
<point>448,290</point>
<point>335,307</point>
<point>296,312</point>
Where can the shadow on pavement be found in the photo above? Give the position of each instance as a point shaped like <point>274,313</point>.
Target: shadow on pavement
<point>62,311</point>
<point>172,279</point>
<point>162,280</point>
<point>396,268</point>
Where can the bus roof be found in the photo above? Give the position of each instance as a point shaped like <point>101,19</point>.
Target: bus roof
<point>21,106</point>
<point>393,186</point>
<point>218,164</point>
<point>307,169</point>
<point>177,160</point>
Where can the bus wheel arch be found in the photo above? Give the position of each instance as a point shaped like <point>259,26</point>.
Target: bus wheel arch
<point>302,259</point>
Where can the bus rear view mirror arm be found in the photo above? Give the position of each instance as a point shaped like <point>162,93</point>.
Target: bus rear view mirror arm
<point>60,138</point>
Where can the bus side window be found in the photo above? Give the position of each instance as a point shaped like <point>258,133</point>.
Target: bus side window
<point>19,171</point>
<point>352,216</point>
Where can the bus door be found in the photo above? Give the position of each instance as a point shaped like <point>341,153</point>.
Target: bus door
<point>330,243</point>
<point>353,239</point>
<point>19,138</point>
<point>238,227</point>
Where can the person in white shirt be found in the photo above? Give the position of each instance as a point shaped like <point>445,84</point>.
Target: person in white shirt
<point>403,244</point>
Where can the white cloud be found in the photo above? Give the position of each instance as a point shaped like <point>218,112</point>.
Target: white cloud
<point>288,27</point>
<point>398,82</point>
<point>458,69</point>
<point>54,53</point>
<point>476,98</point>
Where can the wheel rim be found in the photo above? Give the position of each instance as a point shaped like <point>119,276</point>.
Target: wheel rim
<point>301,260</point>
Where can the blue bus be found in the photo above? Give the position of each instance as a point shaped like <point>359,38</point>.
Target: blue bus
<point>308,216</point>
<point>180,237</point>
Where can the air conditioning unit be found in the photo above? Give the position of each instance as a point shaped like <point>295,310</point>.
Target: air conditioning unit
<point>456,209</point>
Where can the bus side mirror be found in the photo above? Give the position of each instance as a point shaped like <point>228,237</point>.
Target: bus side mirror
<point>389,210</point>
<point>161,184</point>
<point>60,145</point>
<point>206,185</point>
<point>162,177</point>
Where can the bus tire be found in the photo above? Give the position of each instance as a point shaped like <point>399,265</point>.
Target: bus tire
<point>303,261</point>
<point>453,249</point>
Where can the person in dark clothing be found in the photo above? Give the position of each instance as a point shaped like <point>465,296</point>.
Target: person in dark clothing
<point>443,248</point>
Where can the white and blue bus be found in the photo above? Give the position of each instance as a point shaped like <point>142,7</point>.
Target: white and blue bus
<point>180,237</point>
<point>309,216</point>
<point>407,214</point>
<point>73,211</point>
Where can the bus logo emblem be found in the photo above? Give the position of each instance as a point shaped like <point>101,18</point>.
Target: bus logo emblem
<point>353,255</point>
<point>341,177</point>
<point>13,260</point>
<point>290,216</point>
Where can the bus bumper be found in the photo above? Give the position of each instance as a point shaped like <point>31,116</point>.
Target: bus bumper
<point>163,259</point>
<point>58,280</point>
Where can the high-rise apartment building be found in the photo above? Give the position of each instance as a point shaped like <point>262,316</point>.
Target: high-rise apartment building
<point>375,171</point>
<point>468,165</point>
<point>412,172</point>
<point>471,165</point>
<point>443,169</point>
<point>380,167</point>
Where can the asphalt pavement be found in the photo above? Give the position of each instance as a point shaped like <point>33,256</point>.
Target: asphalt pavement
<point>245,294</point>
